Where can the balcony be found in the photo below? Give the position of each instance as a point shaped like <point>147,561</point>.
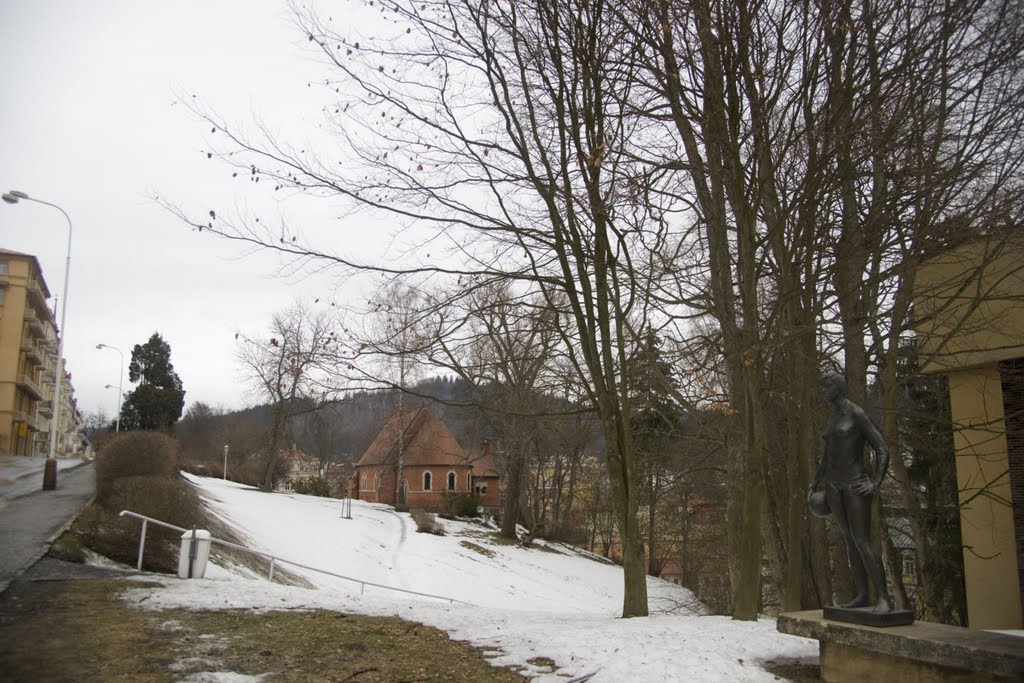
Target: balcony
<point>33,323</point>
<point>29,385</point>
<point>36,295</point>
<point>42,419</point>
<point>45,408</point>
<point>33,353</point>
<point>29,420</point>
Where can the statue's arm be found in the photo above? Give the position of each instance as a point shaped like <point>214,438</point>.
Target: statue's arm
<point>820,473</point>
<point>874,439</point>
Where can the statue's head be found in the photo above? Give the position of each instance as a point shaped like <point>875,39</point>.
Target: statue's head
<point>832,385</point>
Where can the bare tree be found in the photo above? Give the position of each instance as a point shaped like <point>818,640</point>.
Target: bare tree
<point>291,369</point>
<point>778,169</point>
<point>827,150</point>
<point>498,133</point>
<point>503,346</point>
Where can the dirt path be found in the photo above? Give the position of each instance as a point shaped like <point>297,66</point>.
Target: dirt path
<point>396,556</point>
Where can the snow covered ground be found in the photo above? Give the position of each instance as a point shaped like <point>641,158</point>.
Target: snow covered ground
<point>517,604</point>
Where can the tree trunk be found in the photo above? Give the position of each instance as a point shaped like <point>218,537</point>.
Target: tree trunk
<point>653,568</point>
<point>272,449</point>
<point>513,489</point>
<point>625,498</point>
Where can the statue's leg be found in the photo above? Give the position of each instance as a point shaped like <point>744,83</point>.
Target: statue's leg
<point>838,501</point>
<point>859,516</point>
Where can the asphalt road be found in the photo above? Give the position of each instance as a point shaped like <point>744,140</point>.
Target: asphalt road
<point>29,524</point>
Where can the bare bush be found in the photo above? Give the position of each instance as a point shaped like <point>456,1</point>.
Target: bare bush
<point>426,522</point>
<point>169,500</point>
<point>138,471</point>
<point>134,454</point>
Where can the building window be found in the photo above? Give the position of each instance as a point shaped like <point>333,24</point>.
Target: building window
<point>481,489</point>
<point>3,290</point>
<point>362,481</point>
<point>3,267</point>
<point>376,480</point>
<point>426,481</point>
<point>908,567</point>
<point>451,481</point>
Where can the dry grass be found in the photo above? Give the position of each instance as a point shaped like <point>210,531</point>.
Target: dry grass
<point>426,522</point>
<point>469,545</point>
<point>82,631</point>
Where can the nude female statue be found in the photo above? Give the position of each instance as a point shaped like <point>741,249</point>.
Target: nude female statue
<point>849,490</point>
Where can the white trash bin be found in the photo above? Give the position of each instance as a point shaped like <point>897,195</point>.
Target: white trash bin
<point>197,557</point>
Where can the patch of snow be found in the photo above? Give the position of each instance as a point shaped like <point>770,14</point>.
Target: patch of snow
<point>524,604</point>
<point>222,677</point>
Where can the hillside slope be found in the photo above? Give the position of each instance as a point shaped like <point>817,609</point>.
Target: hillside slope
<point>528,607</point>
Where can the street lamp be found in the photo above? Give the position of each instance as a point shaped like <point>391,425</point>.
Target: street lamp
<point>118,425</point>
<point>50,472</point>
<point>225,462</point>
<point>120,377</point>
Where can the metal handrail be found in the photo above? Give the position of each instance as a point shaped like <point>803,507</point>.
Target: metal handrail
<point>274,559</point>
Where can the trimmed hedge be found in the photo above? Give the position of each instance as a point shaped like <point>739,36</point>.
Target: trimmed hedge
<point>138,471</point>
<point>134,454</point>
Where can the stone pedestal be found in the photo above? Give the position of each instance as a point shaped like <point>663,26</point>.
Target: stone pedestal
<point>919,653</point>
<point>866,616</point>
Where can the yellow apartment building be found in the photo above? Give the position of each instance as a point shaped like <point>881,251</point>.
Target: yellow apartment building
<point>969,304</point>
<point>28,363</point>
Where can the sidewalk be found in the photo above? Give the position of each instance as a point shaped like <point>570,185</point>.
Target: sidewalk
<point>21,474</point>
<point>30,522</point>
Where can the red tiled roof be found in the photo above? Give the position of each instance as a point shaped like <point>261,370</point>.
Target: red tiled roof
<point>425,441</point>
<point>483,462</point>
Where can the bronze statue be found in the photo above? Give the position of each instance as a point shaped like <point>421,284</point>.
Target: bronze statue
<point>849,490</point>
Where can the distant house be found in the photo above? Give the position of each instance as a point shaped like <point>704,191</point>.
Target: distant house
<point>340,476</point>
<point>485,480</point>
<point>299,466</point>
<point>432,463</point>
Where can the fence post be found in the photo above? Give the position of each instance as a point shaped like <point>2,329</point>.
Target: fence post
<point>142,543</point>
<point>193,549</point>
<point>271,570</point>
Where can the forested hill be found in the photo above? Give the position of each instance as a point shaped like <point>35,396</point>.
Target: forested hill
<point>339,431</point>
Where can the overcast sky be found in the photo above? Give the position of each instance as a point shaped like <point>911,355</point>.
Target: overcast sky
<point>89,121</point>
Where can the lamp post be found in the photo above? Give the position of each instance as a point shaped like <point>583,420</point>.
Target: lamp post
<point>120,377</point>
<point>111,386</point>
<point>50,472</point>
<point>225,462</point>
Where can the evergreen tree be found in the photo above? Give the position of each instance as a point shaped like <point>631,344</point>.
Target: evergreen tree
<point>158,400</point>
<point>656,419</point>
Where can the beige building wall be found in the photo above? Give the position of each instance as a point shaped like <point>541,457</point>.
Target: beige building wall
<point>969,305</point>
<point>26,330</point>
<point>986,518</point>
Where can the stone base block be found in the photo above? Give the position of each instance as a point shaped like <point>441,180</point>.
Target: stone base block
<point>866,617</point>
<point>846,664</point>
<point>920,653</point>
